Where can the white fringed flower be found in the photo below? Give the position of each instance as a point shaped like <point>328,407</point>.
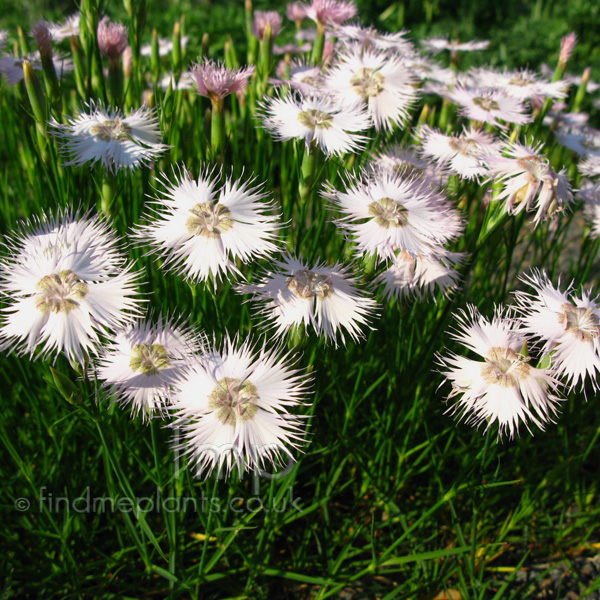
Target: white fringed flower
<point>407,163</point>
<point>326,298</point>
<point>109,137</point>
<point>232,409</point>
<point>378,80</point>
<point>144,361</point>
<point>316,120</point>
<point>385,212</point>
<point>421,276</point>
<point>464,153</point>
<point>529,183</point>
<point>368,38</point>
<point>165,46</point>
<point>200,229</point>
<point>589,192</point>
<point>68,28</point>
<point>303,77</point>
<point>65,283</point>
<point>568,327</point>
<point>590,166</point>
<point>436,45</point>
<point>489,105</point>
<point>523,84</point>
<point>502,386</point>
<point>585,141</point>
<point>12,66</point>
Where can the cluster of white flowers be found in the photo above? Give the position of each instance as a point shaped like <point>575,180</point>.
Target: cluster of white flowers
<point>70,289</point>
<point>557,331</point>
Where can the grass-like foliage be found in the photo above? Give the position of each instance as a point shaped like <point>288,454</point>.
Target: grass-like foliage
<point>305,311</point>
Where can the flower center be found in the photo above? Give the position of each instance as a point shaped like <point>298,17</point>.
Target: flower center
<point>313,118</point>
<point>504,367</point>
<point>209,220</point>
<point>579,322</point>
<point>520,81</point>
<point>388,213</point>
<point>308,284</point>
<point>486,104</point>
<point>60,293</point>
<point>149,359</point>
<point>233,400</point>
<point>465,146</point>
<point>112,129</point>
<point>367,83</point>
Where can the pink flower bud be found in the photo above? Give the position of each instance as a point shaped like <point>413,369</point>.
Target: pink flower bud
<point>112,38</point>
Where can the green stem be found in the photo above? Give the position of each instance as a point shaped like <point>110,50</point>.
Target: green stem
<point>217,129</point>
<point>110,184</point>
<point>317,51</point>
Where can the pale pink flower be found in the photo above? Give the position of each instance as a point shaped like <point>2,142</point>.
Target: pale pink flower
<point>43,37</point>
<point>262,18</point>
<point>529,183</point>
<point>295,11</point>
<point>330,12</point>
<point>215,81</point>
<point>567,45</point>
<point>112,38</point>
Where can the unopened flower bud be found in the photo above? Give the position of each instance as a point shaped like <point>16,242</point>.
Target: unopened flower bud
<point>567,45</point>
<point>112,38</point>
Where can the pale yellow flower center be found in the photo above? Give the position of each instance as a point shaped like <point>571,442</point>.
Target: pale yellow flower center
<point>504,367</point>
<point>464,146</point>
<point>209,220</point>
<point>112,129</point>
<point>308,284</point>
<point>520,81</point>
<point>234,400</point>
<point>486,104</point>
<point>149,359</point>
<point>579,322</point>
<point>388,213</point>
<point>367,83</point>
<point>314,118</point>
<point>60,292</point>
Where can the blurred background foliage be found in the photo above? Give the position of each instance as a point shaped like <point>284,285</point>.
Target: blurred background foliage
<point>522,32</point>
